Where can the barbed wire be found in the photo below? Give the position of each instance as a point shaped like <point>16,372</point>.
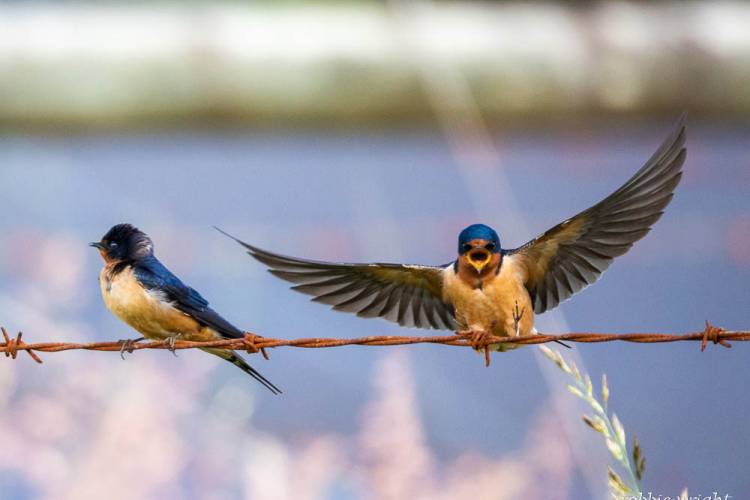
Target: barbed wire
<point>253,343</point>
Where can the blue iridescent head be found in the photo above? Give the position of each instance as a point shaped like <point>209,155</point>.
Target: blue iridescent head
<point>476,233</point>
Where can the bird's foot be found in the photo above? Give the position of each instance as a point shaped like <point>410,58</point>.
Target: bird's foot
<point>169,342</point>
<point>517,315</point>
<point>479,340</point>
<point>128,345</point>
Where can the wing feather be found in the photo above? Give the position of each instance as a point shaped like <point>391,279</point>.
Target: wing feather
<point>406,294</point>
<point>573,254</point>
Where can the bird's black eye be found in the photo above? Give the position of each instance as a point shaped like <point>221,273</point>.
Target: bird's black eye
<point>465,247</point>
<point>112,244</point>
<point>490,246</point>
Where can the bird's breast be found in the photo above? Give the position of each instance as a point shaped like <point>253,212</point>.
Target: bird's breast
<point>493,307</point>
<point>148,311</point>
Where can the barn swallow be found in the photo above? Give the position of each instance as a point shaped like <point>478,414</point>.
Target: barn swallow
<point>142,292</point>
<point>488,288</point>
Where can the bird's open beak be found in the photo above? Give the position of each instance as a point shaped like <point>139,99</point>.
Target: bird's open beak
<point>96,244</point>
<point>479,258</point>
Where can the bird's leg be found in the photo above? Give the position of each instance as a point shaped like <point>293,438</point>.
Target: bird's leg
<point>127,345</point>
<point>170,342</point>
<point>517,315</point>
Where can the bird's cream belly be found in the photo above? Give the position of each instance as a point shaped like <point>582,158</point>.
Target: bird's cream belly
<point>495,311</point>
<point>502,306</point>
<point>144,312</point>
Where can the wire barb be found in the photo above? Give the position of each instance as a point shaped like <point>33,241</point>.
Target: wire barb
<point>481,341</point>
<point>12,345</point>
<point>713,334</point>
<point>251,348</point>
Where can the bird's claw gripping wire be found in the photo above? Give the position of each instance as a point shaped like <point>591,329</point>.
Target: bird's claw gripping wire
<point>128,346</point>
<point>169,342</point>
<point>479,340</point>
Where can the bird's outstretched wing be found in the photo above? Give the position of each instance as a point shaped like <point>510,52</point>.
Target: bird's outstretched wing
<point>406,294</point>
<point>573,254</point>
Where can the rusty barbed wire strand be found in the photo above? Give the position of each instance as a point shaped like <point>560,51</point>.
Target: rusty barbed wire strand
<point>253,343</point>
<point>12,345</point>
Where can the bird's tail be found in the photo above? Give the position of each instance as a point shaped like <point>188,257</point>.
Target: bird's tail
<point>236,360</point>
<point>534,332</point>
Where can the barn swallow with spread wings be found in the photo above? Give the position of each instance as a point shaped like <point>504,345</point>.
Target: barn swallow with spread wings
<point>143,293</point>
<point>488,288</point>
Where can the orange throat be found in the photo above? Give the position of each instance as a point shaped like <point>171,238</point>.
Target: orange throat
<point>477,279</point>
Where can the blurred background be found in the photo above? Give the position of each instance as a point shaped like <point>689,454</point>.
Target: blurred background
<point>365,131</point>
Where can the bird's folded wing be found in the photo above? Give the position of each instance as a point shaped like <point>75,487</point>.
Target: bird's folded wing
<point>574,254</point>
<point>408,295</point>
<point>155,276</point>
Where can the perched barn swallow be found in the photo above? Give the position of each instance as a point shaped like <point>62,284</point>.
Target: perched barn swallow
<point>143,293</point>
<point>487,288</point>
